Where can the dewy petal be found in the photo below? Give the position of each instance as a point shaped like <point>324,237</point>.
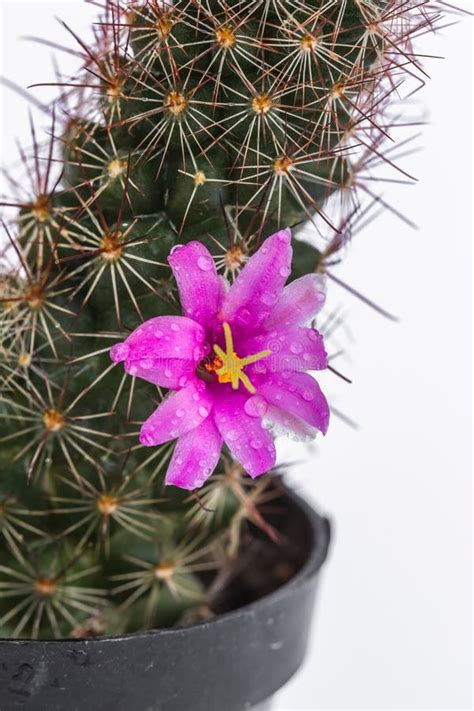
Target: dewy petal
<point>300,302</point>
<point>300,395</point>
<point>291,349</point>
<point>201,289</point>
<point>163,350</point>
<point>244,434</point>
<point>195,456</point>
<point>280,422</point>
<point>259,285</point>
<point>179,413</point>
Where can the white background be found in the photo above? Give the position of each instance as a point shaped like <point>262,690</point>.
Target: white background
<point>393,627</point>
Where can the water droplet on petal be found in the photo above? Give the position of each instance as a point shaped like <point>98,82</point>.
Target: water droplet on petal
<point>232,435</point>
<point>285,271</point>
<point>307,395</point>
<point>285,236</point>
<point>255,406</point>
<point>168,373</point>
<point>204,263</point>
<point>182,381</point>
<point>196,397</point>
<point>198,353</point>
<point>174,327</point>
<point>244,316</point>
<point>256,443</point>
<point>146,363</point>
<point>180,413</point>
<point>146,438</point>
<point>269,298</point>
<point>203,411</point>
<point>119,352</point>
<point>296,348</point>
<point>133,370</point>
<point>158,333</point>
<point>314,335</point>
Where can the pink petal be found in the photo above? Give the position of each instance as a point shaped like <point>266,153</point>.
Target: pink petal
<point>300,302</point>
<point>259,285</point>
<point>195,456</point>
<point>291,349</point>
<point>284,423</point>
<point>201,289</point>
<point>244,434</point>
<point>163,350</point>
<point>300,395</point>
<point>180,412</point>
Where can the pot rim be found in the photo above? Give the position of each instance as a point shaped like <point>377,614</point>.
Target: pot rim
<point>320,534</point>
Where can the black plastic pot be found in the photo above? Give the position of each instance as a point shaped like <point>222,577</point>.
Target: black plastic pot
<point>236,661</point>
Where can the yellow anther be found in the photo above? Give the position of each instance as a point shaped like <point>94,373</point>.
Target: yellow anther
<point>231,370</point>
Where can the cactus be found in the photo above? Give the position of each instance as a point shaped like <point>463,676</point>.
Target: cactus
<point>215,121</point>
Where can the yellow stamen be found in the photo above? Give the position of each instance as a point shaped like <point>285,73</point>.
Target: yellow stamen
<point>231,370</point>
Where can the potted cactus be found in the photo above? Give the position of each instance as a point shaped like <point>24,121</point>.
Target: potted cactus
<point>158,331</point>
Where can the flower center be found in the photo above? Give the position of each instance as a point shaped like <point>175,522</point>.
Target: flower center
<point>229,367</point>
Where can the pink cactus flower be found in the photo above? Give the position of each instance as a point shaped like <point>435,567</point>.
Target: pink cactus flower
<point>235,362</point>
